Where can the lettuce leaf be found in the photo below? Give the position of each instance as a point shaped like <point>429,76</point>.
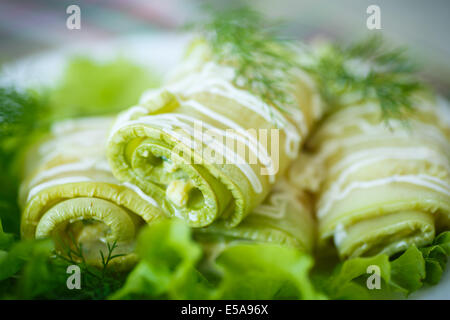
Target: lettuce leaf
<point>29,269</point>
<point>265,271</point>
<point>6,239</point>
<point>91,88</point>
<point>169,269</point>
<point>408,271</point>
<point>22,114</point>
<point>436,257</point>
<point>25,269</point>
<point>346,282</point>
<point>401,275</point>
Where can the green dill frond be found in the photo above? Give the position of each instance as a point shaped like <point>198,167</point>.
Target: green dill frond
<point>263,60</point>
<point>109,256</point>
<point>371,70</point>
<point>98,283</point>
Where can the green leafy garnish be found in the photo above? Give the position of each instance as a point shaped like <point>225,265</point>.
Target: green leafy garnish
<point>21,112</point>
<point>369,69</point>
<point>263,60</point>
<point>31,269</point>
<point>402,275</point>
<point>264,63</point>
<point>89,87</point>
<point>169,269</point>
<point>265,271</point>
<point>22,115</point>
<point>97,283</point>
<point>408,271</point>
<point>436,257</point>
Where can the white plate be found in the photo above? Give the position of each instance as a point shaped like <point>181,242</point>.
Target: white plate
<point>157,52</point>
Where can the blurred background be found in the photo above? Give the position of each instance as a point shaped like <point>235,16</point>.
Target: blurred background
<point>34,26</point>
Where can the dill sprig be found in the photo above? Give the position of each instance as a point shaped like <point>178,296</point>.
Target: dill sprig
<point>263,61</point>
<point>371,70</point>
<point>109,256</point>
<point>73,253</point>
<point>98,283</point>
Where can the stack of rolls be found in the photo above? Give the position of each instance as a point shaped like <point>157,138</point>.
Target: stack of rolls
<point>205,149</point>
<point>200,149</point>
<point>213,154</point>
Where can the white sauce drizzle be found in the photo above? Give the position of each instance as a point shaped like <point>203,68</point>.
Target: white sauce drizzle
<point>74,179</point>
<point>217,79</point>
<point>230,155</point>
<point>365,157</point>
<point>339,234</point>
<point>207,81</point>
<point>126,116</point>
<point>252,143</point>
<point>141,193</point>
<point>420,180</point>
<point>277,207</point>
<point>45,185</point>
<point>74,166</point>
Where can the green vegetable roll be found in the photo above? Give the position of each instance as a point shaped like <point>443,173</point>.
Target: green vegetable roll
<point>205,148</point>
<point>381,187</point>
<point>69,193</point>
<point>285,217</point>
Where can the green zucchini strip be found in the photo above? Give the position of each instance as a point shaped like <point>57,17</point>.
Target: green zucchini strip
<point>69,193</point>
<point>180,144</point>
<point>381,188</point>
<point>285,218</point>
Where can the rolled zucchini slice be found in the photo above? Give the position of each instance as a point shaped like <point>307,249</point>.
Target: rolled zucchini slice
<point>206,149</point>
<point>285,218</point>
<point>380,188</point>
<point>69,194</point>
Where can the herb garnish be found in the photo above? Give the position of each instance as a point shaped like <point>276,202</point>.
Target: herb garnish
<point>370,69</point>
<point>22,114</point>
<point>262,59</point>
<point>264,63</point>
<point>98,283</point>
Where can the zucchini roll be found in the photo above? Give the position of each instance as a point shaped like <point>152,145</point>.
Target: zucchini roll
<point>205,148</point>
<point>69,193</point>
<point>381,187</point>
<point>285,218</point>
